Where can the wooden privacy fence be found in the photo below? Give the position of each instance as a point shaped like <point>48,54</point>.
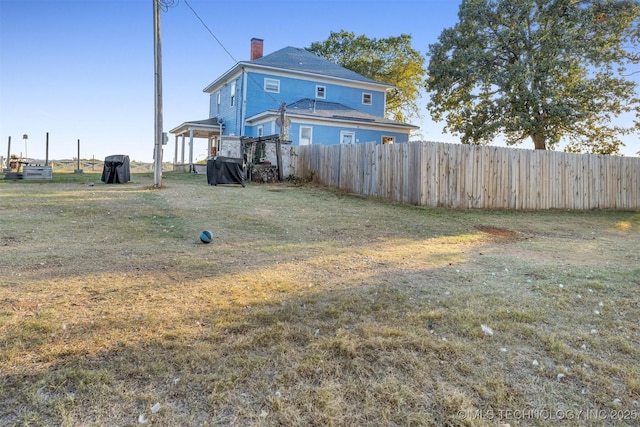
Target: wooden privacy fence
<point>468,176</point>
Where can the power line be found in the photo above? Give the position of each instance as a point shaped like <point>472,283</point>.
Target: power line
<point>165,5</point>
<point>210,32</point>
<point>223,47</point>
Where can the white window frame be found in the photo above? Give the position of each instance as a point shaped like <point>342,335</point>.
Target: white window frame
<point>218,99</point>
<point>366,95</point>
<point>271,85</point>
<point>347,133</point>
<point>320,89</point>
<point>260,130</point>
<point>310,128</point>
<point>389,139</point>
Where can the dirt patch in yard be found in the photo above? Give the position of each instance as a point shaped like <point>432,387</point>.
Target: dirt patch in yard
<point>501,234</point>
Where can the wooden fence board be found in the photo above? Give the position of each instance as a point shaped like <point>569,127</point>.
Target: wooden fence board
<point>461,176</point>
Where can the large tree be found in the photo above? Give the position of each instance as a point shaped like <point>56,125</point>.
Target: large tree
<point>549,70</point>
<point>391,60</point>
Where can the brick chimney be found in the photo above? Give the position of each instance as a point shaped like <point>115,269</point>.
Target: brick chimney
<point>256,48</point>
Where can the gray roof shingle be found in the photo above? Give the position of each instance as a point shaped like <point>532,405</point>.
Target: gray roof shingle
<point>298,59</point>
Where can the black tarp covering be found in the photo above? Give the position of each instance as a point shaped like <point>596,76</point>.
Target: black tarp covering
<point>116,169</point>
<point>225,170</point>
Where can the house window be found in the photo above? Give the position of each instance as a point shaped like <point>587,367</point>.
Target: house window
<point>233,93</point>
<point>260,130</point>
<point>218,98</point>
<point>305,135</point>
<point>347,137</point>
<point>272,85</point>
<point>388,139</point>
<point>321,92</point>
<point>366,98</point>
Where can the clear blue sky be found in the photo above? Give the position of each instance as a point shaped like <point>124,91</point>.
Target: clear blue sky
<point>84,69</point>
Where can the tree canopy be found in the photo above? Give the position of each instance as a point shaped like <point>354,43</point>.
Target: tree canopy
<point>549,70</point>
<point>391,60</point>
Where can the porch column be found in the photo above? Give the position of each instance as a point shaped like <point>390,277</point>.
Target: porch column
<point>209,145</point>
<point>191,150</point>
<point>175,153</point>
<point>182,158</point>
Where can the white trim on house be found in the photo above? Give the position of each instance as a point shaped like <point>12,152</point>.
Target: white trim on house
<point>229,76</point>
<point>334,121</point>
<point>279,72</point>
<point>347,137</point>
<point>243,107</point>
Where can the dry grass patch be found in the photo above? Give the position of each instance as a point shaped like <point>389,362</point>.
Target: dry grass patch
<point>311,307</point>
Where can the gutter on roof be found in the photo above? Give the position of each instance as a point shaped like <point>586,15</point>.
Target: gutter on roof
<point>226,76</point>
<point>337,119</point>
<point>248,65</point>
<point>197,126</point>
<point>369,82</point>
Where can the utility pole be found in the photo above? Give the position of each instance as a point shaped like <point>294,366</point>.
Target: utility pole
<point>283,109</point>
<point>158,140</point>
<point>78,170</point>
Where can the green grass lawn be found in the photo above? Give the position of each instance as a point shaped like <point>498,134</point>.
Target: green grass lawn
<point>311,307</point>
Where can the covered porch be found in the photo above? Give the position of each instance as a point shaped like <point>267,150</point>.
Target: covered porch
<point>211,129</point>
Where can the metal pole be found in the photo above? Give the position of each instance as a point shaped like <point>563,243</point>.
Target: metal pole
<point>46,158</point>
<point>78,154</point>
<point>157,53</point>
<point>9,154</point>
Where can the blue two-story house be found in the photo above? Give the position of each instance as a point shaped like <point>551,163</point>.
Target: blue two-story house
<point>323,103</point>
